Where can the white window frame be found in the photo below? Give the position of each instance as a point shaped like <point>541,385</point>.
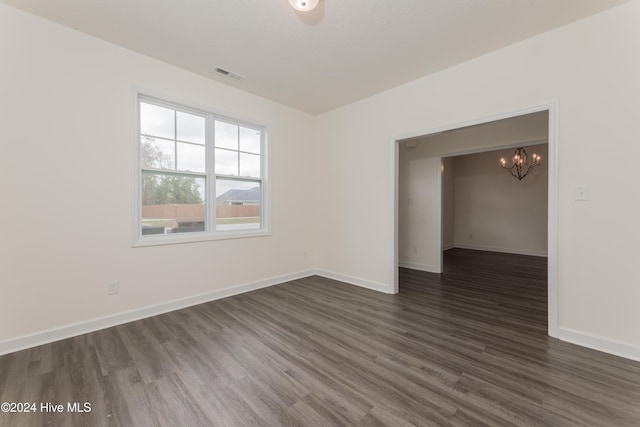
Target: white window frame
<point>210,233</point>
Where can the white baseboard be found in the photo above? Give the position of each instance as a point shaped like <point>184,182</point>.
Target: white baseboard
<point>375,286</point>
<point>74,329</point>
<point>447,247</point>
<point>605,345</point>
<point>503,250</point>
<point>420,267</point>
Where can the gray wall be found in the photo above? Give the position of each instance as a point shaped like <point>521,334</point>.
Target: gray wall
<point>494,211</point>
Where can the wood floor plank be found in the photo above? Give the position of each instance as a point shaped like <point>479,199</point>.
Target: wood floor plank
<point>464,348</point>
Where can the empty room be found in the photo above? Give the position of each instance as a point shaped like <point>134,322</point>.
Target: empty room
<point>269,213</point>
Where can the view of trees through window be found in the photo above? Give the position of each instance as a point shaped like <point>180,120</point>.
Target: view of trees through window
<point>165,189</point>
<point>175,174</point>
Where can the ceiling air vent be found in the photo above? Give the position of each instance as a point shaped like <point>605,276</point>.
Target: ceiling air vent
<point>227,73</point>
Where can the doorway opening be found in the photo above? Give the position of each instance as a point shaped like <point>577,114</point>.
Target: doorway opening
<point>440,202</point>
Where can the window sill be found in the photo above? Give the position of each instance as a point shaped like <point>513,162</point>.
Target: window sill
<point>167,239</point>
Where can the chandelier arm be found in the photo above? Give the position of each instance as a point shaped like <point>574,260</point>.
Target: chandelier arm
<point>530,168</point>
<point>519,169</point>
<point>513,174</point>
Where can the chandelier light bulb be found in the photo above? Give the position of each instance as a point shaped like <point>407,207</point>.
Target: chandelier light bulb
<point>304,5</point>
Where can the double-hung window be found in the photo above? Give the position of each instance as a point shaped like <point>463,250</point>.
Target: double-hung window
<point>201,176</point>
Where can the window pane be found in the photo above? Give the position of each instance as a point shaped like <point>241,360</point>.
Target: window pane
<point>250,140</point>
<point>180,149</point>
<point>172,203</point>
<point>250,165</point>
<point>226,162</point>
<point>157,121</point>
<point>237,205</point>
<point>191,157</point>
<point>226,135</point>
<point>191,128</point>
<point>157,153</point>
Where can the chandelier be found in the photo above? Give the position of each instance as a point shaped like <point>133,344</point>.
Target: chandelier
<point>520,166</point>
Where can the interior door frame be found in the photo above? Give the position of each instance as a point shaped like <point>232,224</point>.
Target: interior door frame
<point>552,197</point>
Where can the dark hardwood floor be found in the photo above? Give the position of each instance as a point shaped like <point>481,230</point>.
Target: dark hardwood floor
<point>468,347</point>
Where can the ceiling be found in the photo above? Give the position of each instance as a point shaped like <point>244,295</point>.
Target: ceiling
<point>343,51</point>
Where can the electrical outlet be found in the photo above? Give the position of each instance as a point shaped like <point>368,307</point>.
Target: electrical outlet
<point>582,193</point>
<point>113,287</point>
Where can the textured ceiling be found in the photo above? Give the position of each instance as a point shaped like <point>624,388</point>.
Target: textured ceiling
<point>343,51</point>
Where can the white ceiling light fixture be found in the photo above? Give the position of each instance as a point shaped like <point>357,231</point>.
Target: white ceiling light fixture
<point>304,5</point>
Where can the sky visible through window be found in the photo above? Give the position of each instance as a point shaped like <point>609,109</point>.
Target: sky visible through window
<point>176,142</point>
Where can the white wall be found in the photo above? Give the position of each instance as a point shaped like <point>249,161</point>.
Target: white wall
<point>448,202</point>
<point>66,108</point>
<point>494,211</point>
<point>419,227</point>
<point>591,69</point>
